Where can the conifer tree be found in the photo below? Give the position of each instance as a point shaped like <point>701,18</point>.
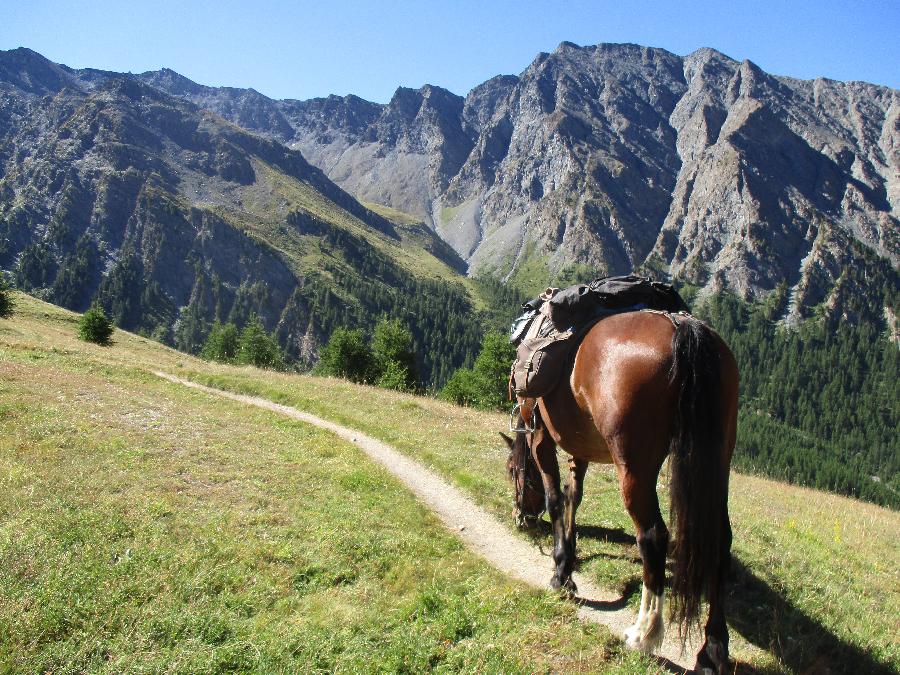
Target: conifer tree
<point>222,343</point>
<point>485,384</point>
<point>393,355</point>
<point>346,355</point>
<point>94,326</point>
<point>257,348</point>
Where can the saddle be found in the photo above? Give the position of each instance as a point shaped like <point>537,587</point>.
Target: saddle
<point>554,323</point>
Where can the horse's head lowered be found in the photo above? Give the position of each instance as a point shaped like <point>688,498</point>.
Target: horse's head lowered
<point>526,479</point>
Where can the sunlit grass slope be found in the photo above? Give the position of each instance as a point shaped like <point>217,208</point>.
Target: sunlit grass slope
<point>147,527</point>
<point>143,521</point>
<point>262,208</point>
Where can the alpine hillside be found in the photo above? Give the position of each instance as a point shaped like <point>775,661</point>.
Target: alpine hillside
<point>174,218</point>
<point>176,205</point>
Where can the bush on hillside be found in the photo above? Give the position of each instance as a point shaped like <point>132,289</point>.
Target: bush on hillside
<point>222,343</point>
<point>94,326</point>
<point>346,355</point>
<point>6,302</point>
<point>394,357</point>
<point>395,376</point>
<point>465,387</point>
<point>257,348</point>
<point>389,361</point>
<point>485,385</point>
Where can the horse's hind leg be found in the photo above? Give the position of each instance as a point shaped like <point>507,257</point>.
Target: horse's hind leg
<point>639,495</point>
<point>713,656</point>
<point>574,493</point>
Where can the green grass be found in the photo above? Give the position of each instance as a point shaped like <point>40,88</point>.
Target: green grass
<point>823,584</point>
<point>191,485</point>
<point>531,273</point>
<point>396,216</point>
<point>145,527</point>
<point>448,213</point>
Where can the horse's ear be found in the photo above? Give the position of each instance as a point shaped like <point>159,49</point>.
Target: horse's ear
<point>508,440</point>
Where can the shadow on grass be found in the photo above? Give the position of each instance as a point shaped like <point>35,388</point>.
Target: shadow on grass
<point>632,586</point>
<point>761,615</point>
<point>765,618</point>
<point>608,534</point>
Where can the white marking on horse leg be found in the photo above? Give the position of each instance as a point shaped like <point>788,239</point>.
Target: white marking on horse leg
<point>655,628</point>
<point>647,632</point>
<point>633,633</point>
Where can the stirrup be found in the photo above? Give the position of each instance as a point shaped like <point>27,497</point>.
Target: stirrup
<point>513,418</point>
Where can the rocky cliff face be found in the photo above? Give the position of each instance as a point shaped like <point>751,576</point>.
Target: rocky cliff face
<point>613,157</point>
<point>111,193</point>
<point>401,155</point>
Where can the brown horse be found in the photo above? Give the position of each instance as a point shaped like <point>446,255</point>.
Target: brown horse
<point>643,385</point>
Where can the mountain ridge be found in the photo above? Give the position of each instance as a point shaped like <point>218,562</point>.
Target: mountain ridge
<point>607,158</point>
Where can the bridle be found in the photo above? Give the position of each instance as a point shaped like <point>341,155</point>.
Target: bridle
<point>522,482</point>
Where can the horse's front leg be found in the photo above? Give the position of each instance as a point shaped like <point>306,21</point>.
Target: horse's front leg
<point>543,449</point>
<point>574,493</point>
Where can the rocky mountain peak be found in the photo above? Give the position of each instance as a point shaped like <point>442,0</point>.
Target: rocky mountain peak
<point>172,82</point>
<point>29,72</point>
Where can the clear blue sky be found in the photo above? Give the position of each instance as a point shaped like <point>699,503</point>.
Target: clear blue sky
<point>305,49</point>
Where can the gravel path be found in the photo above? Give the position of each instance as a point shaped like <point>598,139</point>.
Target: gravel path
<point>480,530</point>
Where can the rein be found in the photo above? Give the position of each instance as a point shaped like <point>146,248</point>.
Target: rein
<point>520,492</point>
<point>518,425</point>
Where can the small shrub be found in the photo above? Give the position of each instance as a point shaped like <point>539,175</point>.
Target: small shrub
<point>464,387</point>
<point>485,385</point>
<point>222,343</point>
<point>94,326</point>
<point>257,348</point>
<point>395,376</point>
<point>346,355</point>
<point>393,355</point>
<point>6,302</point>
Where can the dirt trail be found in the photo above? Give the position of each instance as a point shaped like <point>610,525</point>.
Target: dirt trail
<point>480,531</point>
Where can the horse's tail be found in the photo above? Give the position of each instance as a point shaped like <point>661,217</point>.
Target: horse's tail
<point>699,471</point>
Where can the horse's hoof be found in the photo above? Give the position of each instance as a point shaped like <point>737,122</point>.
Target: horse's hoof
<point>566,589</point>
<point>712,659</point>
<point>646,644</point>
<point>528,523</point>
<point>633,635</point>
<point>646,635</point>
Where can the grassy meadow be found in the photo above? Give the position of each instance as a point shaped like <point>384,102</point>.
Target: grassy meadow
<point>146,527</point>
